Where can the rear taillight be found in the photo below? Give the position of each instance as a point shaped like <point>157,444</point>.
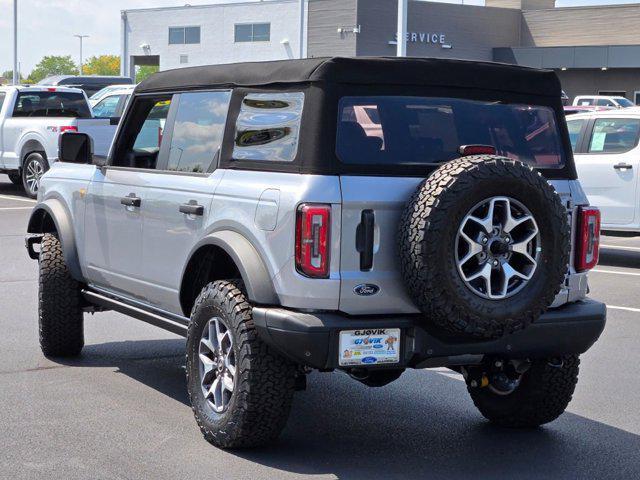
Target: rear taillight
<point>466,150</point>
<point>68,128</point>
<point>312,240</point>
<point>588,241</point>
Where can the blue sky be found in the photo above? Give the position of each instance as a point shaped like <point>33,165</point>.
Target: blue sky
<point>46,27</point>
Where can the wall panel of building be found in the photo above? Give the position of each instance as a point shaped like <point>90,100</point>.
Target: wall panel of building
<point>325,17</point>
<point>610,25</point>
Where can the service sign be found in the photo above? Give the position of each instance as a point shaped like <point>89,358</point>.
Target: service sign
<point>368,347</point>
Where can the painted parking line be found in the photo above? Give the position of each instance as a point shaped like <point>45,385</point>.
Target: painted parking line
<point>614,272</point>
<point>620,247</point>
<point>626,309</point>
<point>16,208</point>
<point>18,199</point>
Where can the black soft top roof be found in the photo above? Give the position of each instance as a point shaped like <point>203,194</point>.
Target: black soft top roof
<point>361,70</point>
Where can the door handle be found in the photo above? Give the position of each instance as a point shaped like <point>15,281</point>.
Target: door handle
<point>131,201</point>
<point>364,239</point>
<point>622,166</point>
<point>191,208</point>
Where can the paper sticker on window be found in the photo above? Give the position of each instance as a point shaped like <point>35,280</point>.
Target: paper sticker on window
<point>597,141</point>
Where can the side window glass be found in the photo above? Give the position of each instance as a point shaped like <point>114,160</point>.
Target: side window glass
<point>197,131</point>
<point>586,102</point>
<point>145,131</point>
<point>614,135</point>
<point>106,108</point>
<point>603,102</point>
<point>268,127</point>
<point>575,127</point>
<point>2,97</point>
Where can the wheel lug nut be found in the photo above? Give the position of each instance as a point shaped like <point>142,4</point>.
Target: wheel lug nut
<point>495,263</point>
<point>485,239</point>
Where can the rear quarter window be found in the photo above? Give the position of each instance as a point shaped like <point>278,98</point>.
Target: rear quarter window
<point>268,127</point>
<point>51,104</point>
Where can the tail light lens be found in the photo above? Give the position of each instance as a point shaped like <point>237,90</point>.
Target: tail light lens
<point>69,128</point>
<point>312,240</point>
<point>588,244</point>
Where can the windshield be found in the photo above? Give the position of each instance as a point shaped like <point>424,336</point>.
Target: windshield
<point>390,130</point>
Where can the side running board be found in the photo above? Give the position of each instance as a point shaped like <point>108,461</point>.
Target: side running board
<point>172,323</point>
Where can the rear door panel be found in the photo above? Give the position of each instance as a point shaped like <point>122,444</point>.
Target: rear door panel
<point>386,197</point>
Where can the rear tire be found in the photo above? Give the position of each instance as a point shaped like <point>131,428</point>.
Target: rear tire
<point>543,394</point>
<point>59,303</point>
<point>34,166</point>
<point>255,411</point>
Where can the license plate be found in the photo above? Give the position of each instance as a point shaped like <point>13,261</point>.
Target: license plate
<point>375,346</point>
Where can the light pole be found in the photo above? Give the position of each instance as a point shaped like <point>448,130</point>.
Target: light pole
<point>302,28</point>
<point>81,37</point>
<point>16,74</point>
<point>402,29</point>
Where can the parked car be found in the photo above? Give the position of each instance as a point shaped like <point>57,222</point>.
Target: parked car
<point>573,109</point>
<point>607,156</point>
<point>271,224</point>
<point>564,97</point>
<point>31,121</point>
<point>112,102</point>
<point>89,83</point>
<point>96,97</point>
<point>602,101</point>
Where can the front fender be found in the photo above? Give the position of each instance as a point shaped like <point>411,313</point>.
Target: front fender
<point>254,274</point>
<point>52,215</point>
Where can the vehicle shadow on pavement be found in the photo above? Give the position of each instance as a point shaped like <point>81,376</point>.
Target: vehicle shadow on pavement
<point>422,426</point>
<point>610,257</point>
<point>8,188</point>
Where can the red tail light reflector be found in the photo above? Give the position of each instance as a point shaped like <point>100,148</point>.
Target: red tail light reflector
<point>68,128</point>
<point>466,150</point>
<point>312,239</point>
<point>588,241</point>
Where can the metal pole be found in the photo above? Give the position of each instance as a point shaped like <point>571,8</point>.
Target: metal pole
<point>81,37</point>
<point>16,74</point>
<point>402,29</point>
<point>302,28</point>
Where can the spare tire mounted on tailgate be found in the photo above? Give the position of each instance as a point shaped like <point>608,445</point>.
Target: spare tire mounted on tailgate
<point>484,246</point>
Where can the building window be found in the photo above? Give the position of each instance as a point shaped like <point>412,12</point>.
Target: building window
<point>184,35</point>
<point>184,58</point>
<point>252,32</point>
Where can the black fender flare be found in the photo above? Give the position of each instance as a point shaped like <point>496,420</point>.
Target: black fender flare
<point>59,214</point>
<point>254,273</point>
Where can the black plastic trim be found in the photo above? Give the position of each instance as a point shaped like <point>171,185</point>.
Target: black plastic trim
<point>312,338</point>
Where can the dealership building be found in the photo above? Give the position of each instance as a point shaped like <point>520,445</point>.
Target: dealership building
<point>594,50</point>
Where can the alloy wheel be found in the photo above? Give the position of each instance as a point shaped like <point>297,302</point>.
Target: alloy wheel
<point>217,364</point>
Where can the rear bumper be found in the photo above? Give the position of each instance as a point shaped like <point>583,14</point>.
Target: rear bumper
<point>312,338</point>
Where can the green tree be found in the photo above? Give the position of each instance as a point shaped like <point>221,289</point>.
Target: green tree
<point>145,71</point>
<point>102,65</point>
<point>53,65</point>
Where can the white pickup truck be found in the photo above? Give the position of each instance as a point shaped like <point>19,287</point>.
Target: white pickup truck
<point>31,121</point>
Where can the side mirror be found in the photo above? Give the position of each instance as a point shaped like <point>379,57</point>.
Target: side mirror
<point>75,148</point>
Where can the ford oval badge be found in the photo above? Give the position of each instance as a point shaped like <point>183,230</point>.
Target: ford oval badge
<point>366,289</point>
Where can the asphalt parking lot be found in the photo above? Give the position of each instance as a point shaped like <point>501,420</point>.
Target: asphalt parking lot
<point>120,411</point>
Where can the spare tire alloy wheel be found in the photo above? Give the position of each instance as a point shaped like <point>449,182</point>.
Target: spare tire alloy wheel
<point>484,246</point>
<point>497,248</point>
<point>217,364</point>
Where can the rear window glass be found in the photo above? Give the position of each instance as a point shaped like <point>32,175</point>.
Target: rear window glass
<point>51,104</point>
<point>614,135</point>
<point>421,131</point>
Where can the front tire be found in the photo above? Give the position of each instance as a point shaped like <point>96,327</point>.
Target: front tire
<point>59,303</point>
<point>35,165</point>
<point>240,390</point>
<point>543,394</point>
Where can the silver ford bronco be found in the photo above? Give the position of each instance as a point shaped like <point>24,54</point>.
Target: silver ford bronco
<point>361,214</point>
